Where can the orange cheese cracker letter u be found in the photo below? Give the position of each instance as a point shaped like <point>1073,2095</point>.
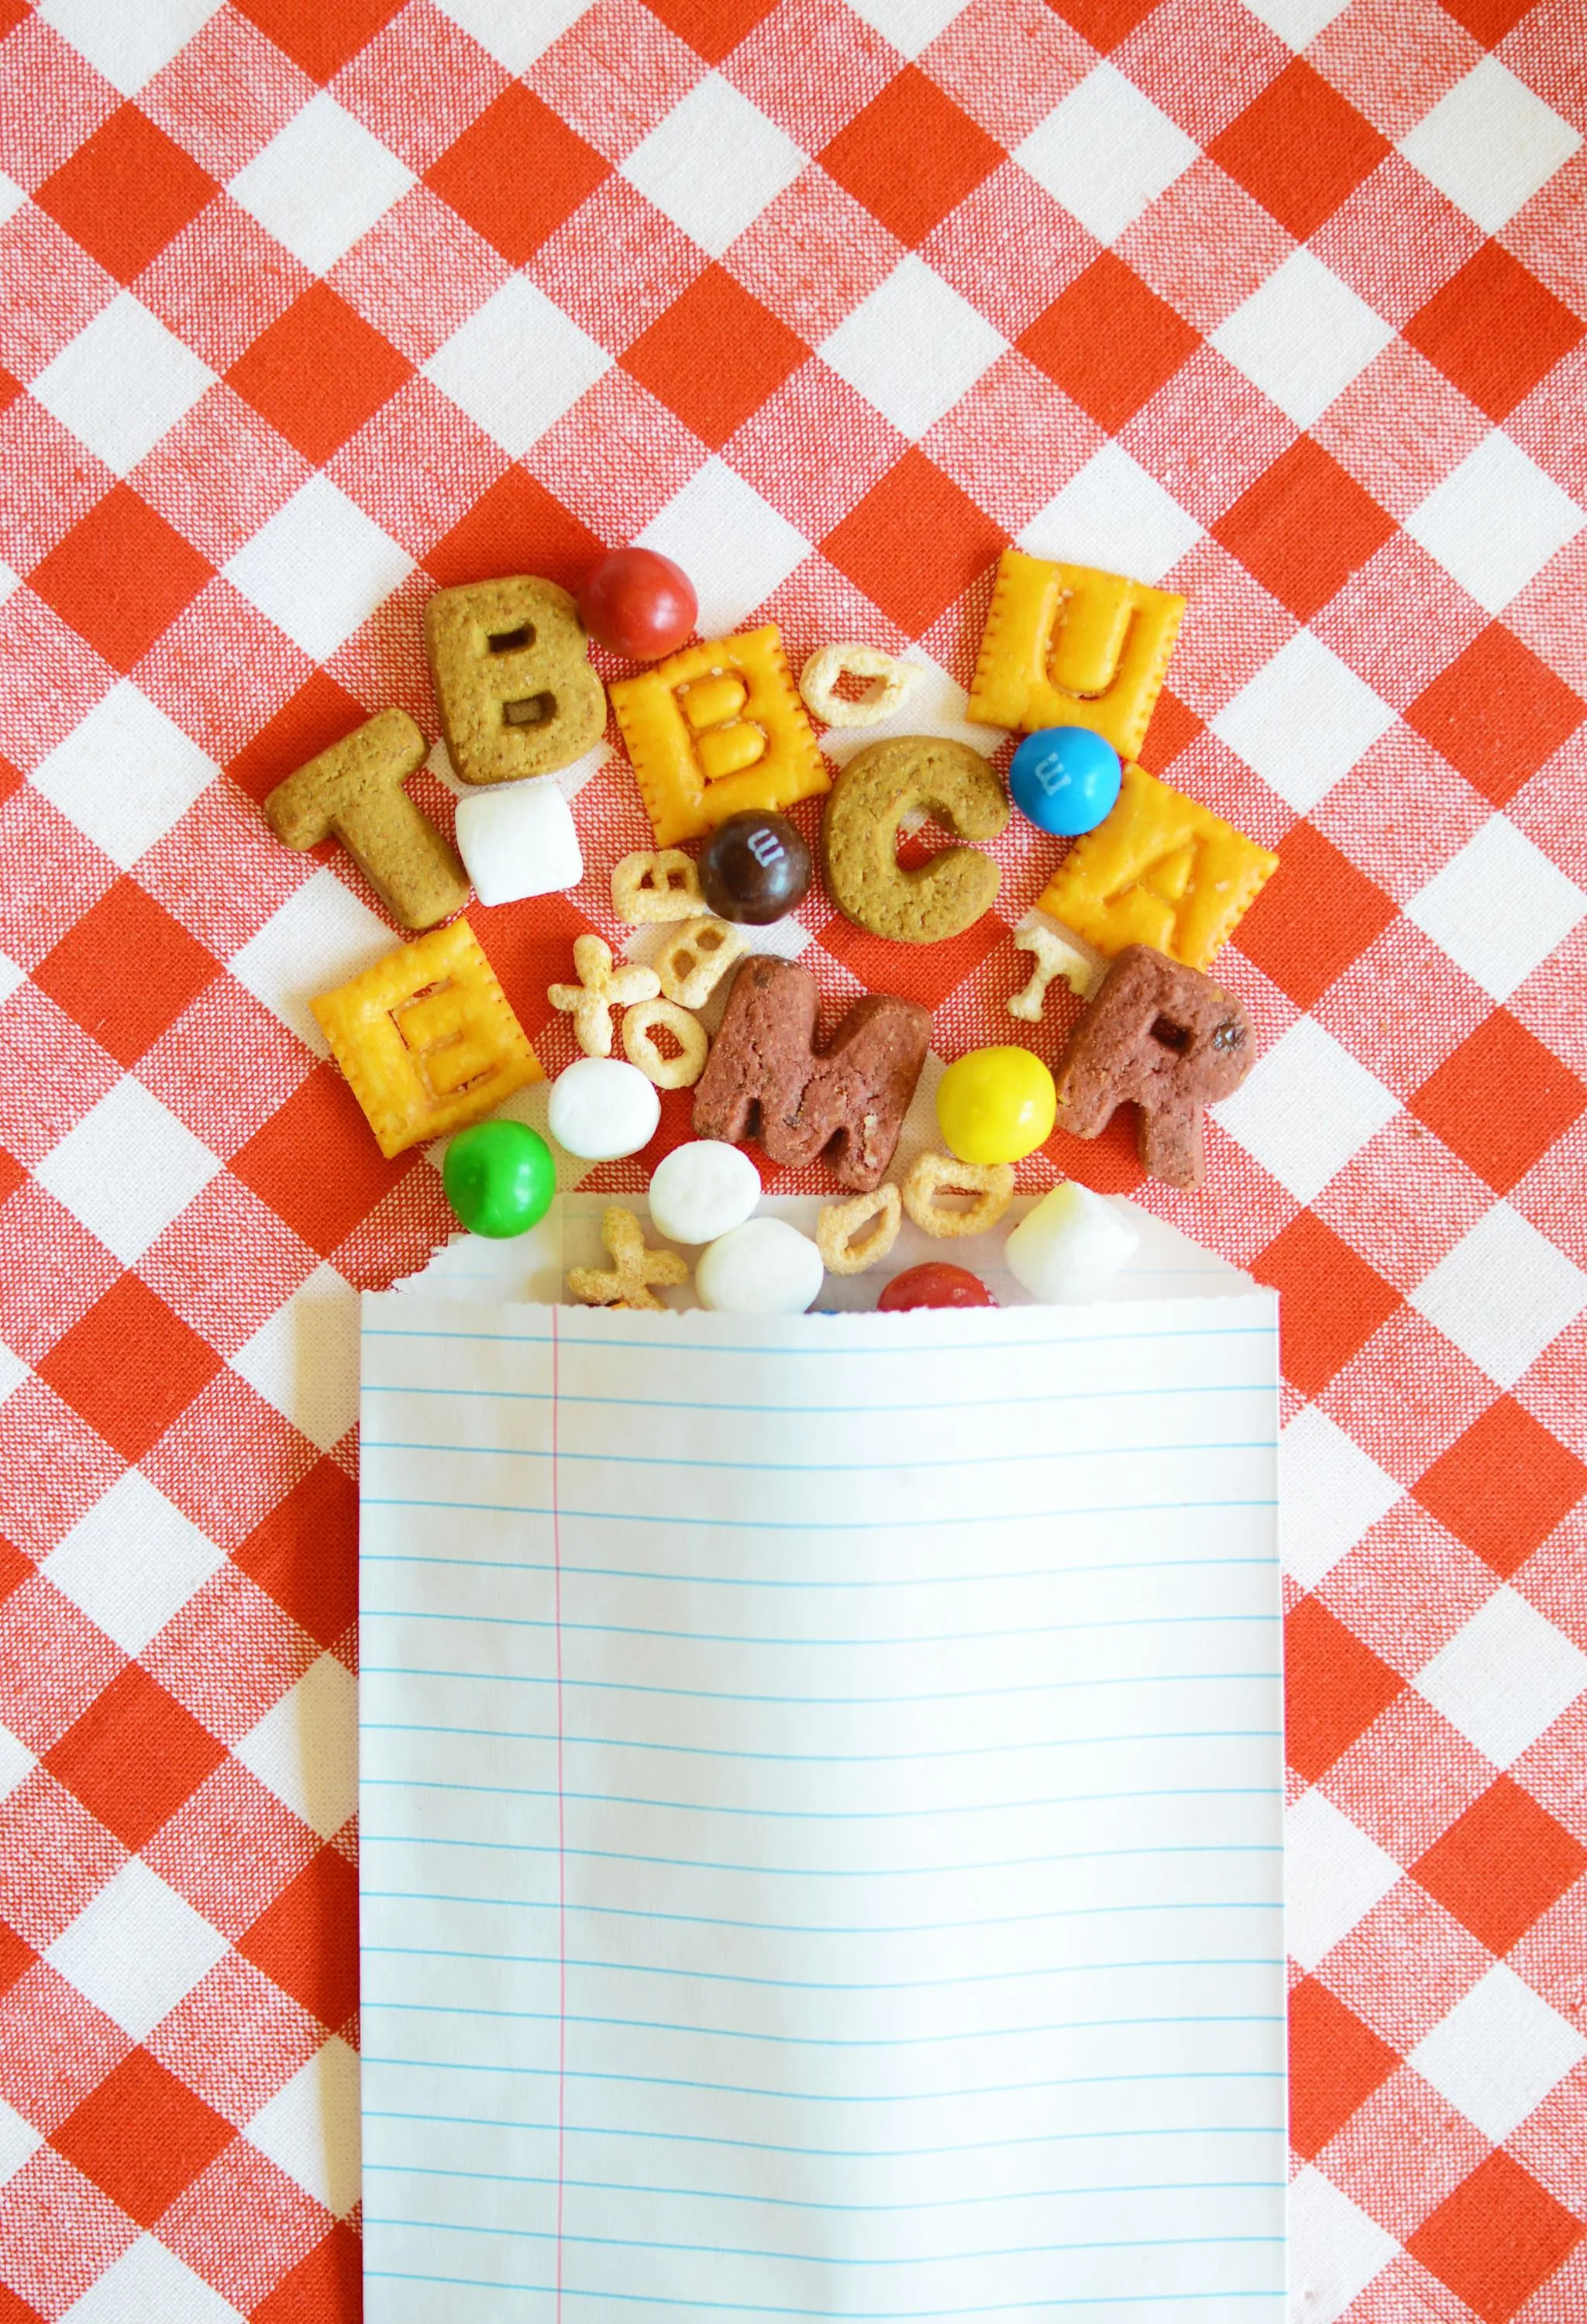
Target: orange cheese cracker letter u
<point>1067,646</point>
<point>426,1039</point>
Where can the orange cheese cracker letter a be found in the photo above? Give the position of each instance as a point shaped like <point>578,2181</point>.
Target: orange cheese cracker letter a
<point>1067,646</point>
<point>1161,869</point>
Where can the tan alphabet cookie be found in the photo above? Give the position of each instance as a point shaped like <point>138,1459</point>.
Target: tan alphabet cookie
<point>517,695</point>
<point>355,791</point>
<point>859,834</point>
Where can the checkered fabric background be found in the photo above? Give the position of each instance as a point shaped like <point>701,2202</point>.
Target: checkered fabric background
<point>307,306</point>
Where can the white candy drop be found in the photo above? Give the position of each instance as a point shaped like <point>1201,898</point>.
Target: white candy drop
<point>601,1109</point>
<point>703,1190</point>
<point>764,1268</point>
<point>518,840</point>
<point>1070,1246</point>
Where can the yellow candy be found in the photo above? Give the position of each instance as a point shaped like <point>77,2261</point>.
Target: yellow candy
<point>996,1105</point>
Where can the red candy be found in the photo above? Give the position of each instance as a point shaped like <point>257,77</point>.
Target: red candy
<point>639,603</point>
<point>935,1285</point>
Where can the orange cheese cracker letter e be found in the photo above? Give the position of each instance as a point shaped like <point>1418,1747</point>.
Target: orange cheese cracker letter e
<point>851,1098</point>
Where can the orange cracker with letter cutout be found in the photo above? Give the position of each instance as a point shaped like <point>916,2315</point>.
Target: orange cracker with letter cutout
<point>715,729</point>
<point>1067,646</point>
<point>426,1039</point>
<point>1160,869</point>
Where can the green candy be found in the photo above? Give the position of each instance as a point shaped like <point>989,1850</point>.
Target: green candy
<point>499,1177</point>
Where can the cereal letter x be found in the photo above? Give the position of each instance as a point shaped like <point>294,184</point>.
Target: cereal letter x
<point>635,1269</point>
<point>601,987</point>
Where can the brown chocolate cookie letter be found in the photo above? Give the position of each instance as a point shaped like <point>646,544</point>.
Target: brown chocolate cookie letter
<point>852,1099</point>
<point>1162,1037</point>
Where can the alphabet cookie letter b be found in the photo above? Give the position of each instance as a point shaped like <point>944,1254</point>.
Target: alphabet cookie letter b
<point>517,695</point>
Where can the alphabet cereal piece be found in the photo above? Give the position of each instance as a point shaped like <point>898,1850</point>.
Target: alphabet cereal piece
<point>426,1039</point>
<point>1161,869</point>
<point>851,1098</point>
<point>659,886</point>
<point>1054,957</point>
<point>717,728</point>
<point>1162,1037</point>
<point>354,791</point>
<point>1067,646</point>
<point>693,963</point>
<point>826,669</point>
<point>640,1046</point>
<point>601,987</point>
<point>635,1269</point>
<point>839,1224</point>
<point>860,830</point>
<point>518,697</point>
<point>993,1184</point>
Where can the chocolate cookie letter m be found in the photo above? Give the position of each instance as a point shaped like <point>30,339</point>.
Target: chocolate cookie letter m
<point>1165,1039</point>
<point>851,1098</point>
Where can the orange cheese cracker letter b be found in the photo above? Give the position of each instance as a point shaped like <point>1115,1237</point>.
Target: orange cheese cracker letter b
<point>1160,869</point>
<point>716,729</point>
<point>512,672</point>
<point>355,791</point>
<point>1067,646</point>
<point>426,1039</point>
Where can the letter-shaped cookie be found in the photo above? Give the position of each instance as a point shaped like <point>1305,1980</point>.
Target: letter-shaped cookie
<point>354,791</point>
<point>1166,1039</point>
<point>860,834</point>
<point>851,1098</point>
<point>518,697</point>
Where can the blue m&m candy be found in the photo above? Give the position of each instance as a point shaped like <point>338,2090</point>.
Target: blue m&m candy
<point>1065,778</point>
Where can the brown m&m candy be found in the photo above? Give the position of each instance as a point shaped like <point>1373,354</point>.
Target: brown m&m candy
<point>754,868</point>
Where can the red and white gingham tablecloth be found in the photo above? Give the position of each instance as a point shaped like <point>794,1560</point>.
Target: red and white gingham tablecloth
<point>308,306</point>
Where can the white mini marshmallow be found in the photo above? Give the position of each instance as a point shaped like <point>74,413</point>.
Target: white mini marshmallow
<point>703,1190</point>
<point>764,1268</point>
<point>601,1109</point>
<point>518,840</point>
<point>1070,1246</point>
